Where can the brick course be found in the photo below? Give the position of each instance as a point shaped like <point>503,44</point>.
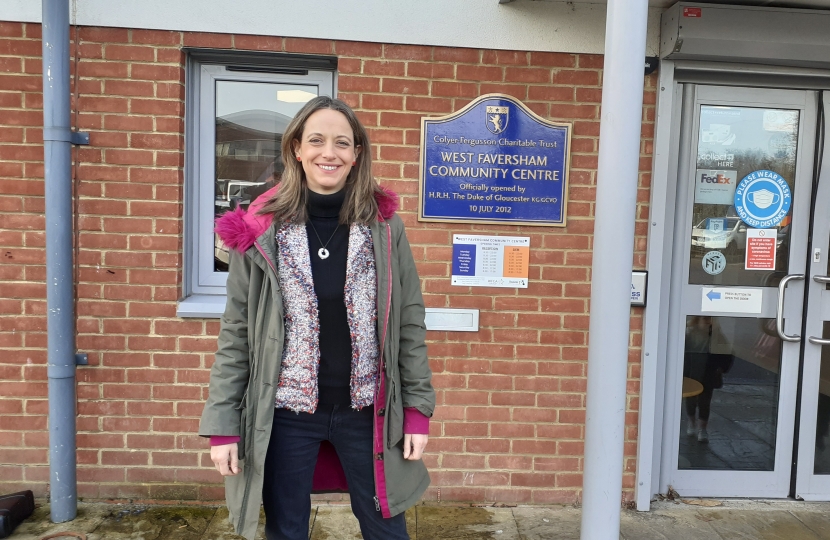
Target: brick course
<point>510,420</point>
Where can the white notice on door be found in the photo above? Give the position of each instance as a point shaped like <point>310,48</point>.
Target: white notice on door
<point>728,299</point>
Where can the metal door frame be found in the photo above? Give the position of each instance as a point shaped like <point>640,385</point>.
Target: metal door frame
<point>727,483</point>
<point>648,481</point>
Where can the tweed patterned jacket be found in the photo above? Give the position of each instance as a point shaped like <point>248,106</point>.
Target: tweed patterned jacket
<point>297,390</point>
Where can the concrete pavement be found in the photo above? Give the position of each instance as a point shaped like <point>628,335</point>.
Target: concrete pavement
<point>690,520</point>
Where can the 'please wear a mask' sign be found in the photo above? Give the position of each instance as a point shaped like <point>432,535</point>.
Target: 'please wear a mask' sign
<point>763,199</point>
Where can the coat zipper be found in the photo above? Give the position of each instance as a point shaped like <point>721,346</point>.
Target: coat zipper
<point>381,367</point>
<point>382,360</point>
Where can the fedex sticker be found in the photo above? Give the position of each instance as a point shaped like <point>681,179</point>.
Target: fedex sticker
<point>694,12</point>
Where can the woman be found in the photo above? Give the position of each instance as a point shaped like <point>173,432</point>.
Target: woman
<point>321,380</point>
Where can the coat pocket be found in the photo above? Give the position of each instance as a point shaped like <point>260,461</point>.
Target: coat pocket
<point>395,408</point>
<point>243,434</point>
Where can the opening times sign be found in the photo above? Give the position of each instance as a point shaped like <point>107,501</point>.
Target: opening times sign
<point>494,161</point>
<point>490,261</point>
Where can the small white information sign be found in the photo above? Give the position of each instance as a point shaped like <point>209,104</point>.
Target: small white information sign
<point>729,299</point>
<point>638,288</point>
<point>490,261</point>
<point>716,225</point>
<point>715,186</point>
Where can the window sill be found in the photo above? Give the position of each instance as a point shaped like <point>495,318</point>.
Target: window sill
<point>202,306</point>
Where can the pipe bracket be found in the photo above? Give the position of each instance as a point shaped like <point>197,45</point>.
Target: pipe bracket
<point>79,137</point>
<point>81,359</point>
<point>65,135</point>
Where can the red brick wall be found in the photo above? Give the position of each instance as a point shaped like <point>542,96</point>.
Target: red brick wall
<point>510,420</point>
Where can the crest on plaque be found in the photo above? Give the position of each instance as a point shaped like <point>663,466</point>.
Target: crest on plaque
<point>495,118</point>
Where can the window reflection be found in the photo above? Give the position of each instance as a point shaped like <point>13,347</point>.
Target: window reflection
<point>733,142</point>
<point>730,393</point>
<point>250,120</point>
<point>822,460</point>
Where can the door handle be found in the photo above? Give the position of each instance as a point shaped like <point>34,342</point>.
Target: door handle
<point>779,317</point>
<point>821,279</point>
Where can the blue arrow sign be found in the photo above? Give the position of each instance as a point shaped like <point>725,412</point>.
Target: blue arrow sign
<point>712,295</point>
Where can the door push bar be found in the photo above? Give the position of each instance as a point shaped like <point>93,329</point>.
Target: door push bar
<point>812,339</point>
<point>779,317</point>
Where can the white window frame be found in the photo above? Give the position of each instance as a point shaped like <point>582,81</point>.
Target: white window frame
<point>204,293</point>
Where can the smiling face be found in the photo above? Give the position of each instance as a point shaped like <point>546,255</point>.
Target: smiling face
<point>327,150</point>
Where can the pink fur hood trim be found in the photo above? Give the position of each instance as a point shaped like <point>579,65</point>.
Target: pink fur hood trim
<point>240,229</point>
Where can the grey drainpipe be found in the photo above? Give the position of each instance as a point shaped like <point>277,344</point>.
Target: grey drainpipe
<point>608,330</point>
<point>57,143</point>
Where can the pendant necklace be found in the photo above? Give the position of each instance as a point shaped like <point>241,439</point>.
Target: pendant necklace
<point>323,253</point>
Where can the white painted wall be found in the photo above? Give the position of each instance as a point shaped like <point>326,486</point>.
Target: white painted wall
<point>520,25</point>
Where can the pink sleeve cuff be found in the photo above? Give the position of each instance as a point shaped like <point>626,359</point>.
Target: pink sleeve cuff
<point>415,422</point>
<point>219,440</point>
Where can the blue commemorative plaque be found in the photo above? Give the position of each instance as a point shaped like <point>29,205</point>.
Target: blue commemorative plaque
<point>494,161</point>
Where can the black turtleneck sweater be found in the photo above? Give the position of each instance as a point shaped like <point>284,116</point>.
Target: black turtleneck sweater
<point>334,377</point>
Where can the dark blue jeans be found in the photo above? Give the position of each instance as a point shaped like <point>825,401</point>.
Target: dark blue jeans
<point>289,470</point>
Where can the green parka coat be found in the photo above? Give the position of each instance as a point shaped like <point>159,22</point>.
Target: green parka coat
<point>244,376</point>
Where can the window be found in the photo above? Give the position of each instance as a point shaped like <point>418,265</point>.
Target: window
<point>237,108</point>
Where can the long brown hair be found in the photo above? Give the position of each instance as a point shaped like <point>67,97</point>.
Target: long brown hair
<point>289,202</point>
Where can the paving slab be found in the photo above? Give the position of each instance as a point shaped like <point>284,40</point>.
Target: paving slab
<point>818,522</point>
<point>220,527</point>
<point>762,525</point>
<point>412,522</point>
<point>335,523</point>
<point>338,522</point>
<point>89,517</point>
<point>666,525</point>
<point>730,519</point>
<point>559,523</point>
<point>465,523</point>
<point>156,523</point>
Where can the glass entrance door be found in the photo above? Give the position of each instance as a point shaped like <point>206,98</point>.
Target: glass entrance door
<point>741,236</point>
